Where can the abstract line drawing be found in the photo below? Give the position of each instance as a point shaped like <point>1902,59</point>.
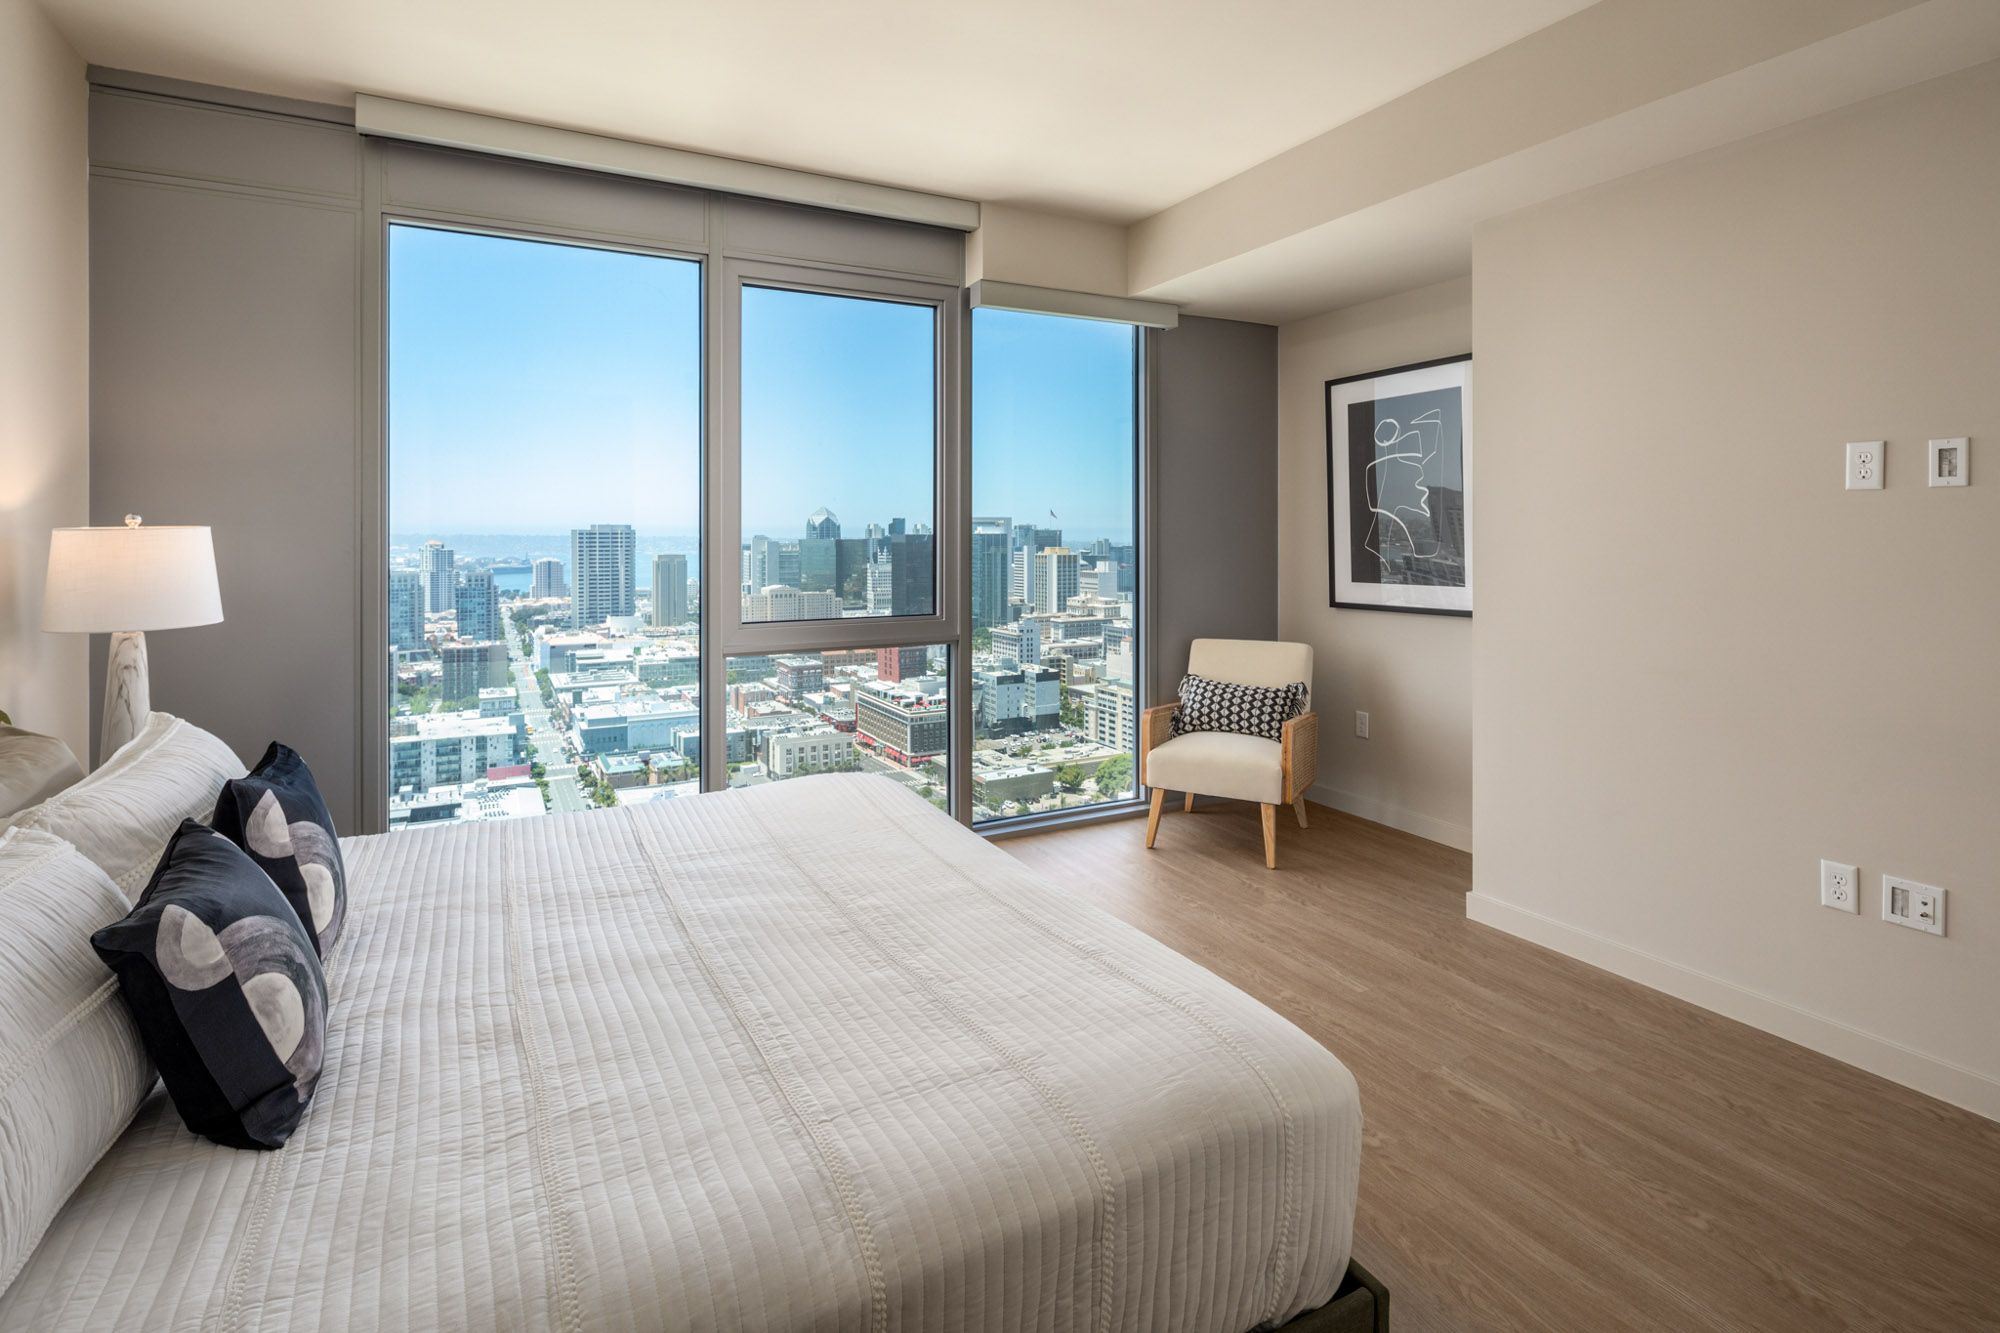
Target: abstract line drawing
<point>1394,484</point>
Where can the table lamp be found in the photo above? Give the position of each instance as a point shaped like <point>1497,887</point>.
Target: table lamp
<point>123,582</point>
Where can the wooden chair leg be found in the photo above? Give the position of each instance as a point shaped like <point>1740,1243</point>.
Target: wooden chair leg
<point>1187,803</point>
<point>1153,815</point>
<point>1300,806</point>
<point>1270,813</point>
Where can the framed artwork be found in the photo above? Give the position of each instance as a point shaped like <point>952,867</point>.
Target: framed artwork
<point>1399,488</point>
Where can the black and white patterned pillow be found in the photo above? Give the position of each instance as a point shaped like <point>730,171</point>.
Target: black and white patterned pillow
<point>277,816</point>
<point>225,987</point>
<point>1249,710</point>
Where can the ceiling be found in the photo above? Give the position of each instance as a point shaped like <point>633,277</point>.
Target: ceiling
<point>1109,109</point>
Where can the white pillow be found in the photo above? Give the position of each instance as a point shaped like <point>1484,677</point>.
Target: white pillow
<point>33,767</point>
<point>122,815</point>
<point>72,1069</point>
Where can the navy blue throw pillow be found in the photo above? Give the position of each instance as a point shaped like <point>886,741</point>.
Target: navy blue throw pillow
<point>226,988</point>
<point>276,815</point>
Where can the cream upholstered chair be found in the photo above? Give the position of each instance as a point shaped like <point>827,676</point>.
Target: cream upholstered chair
<point>1221,763</point>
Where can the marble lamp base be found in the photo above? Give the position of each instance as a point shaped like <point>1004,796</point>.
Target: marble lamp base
<point>128,697</point>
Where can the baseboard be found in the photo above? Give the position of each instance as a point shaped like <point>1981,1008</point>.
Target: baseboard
<point>1381,812</point>
<point>1892,1060</point>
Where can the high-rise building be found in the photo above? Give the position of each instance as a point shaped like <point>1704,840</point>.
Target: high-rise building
<point>478,607</point>
<point>990,540</point>
<point>819,561</point>
<point>548,581</point>
<point>896,527</point>
<point>602,581</point>
<point>1055,579</point>
<point>902,577</point>
<point>901,663</point>
<point>824,524</point>
<point>439,572</point>
<point>470,668</point>
<point>406,609</point>
<point>670,590</point>
<point>778,602</point>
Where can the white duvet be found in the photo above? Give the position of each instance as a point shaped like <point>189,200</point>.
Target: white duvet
<point>803,1057</point>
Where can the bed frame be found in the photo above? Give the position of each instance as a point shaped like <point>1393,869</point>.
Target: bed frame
<point>1359,1305</point>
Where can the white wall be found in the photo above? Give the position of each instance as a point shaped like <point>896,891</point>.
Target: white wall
<point>1702,665</point>
<point>44,364</point>
<point>1412,674</point>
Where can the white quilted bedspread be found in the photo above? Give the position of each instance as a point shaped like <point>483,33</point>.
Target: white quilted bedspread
<point>803,1057</point>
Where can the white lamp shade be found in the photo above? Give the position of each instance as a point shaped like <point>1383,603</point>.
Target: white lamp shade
<point>103,580</point>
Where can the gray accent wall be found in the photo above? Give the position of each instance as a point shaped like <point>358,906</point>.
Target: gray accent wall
<point>225,268</point>
<point>1215,490</point>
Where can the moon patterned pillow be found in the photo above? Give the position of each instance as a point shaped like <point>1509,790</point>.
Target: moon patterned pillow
<point>277,816</point>
<point>226,989</point>
<point>1249,710</point>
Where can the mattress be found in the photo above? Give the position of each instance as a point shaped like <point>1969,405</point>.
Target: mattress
<point>807,1056</point>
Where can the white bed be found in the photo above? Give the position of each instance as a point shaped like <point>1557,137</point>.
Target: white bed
<point>803,1057</point>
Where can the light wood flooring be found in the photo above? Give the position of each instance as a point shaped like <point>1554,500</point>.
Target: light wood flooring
<point>1549,1146</point>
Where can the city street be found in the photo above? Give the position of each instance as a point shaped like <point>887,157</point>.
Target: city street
<point>545,745</point>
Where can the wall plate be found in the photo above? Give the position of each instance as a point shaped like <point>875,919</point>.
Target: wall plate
<point>1908,903</point>
<point>1839,887</point>
<point>1865,459</point>
<point>1951,462</point>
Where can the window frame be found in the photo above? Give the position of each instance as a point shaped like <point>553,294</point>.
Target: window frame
<point>735,240</point>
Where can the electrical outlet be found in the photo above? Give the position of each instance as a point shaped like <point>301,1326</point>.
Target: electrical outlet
<point>1838,887</point>
<point>1908,903</point>
<point>1951,462</point>
<point>1864,465</point>
<point>1361,724</point>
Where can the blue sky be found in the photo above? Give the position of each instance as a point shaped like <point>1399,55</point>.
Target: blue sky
<point>536,387</point>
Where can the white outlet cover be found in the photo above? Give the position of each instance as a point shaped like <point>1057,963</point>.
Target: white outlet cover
<point>1361,724</point>
<point>1951,462</point>
<point>1865,460</point>
<point>1839,887</point>
<point>1908,903</point>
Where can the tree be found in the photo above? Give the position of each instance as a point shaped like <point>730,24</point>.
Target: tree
<point>1069,777</point>
<point>1114,775</point>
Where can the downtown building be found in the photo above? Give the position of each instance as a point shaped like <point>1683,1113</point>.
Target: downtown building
<point>406,610</point>
<point>472,667</point>
<point>602,573</point>
<point>1022,700</point>
<point>478,607</point>
<point>670,591</point>
<point>439,571</point>
<point>991,547</point>
<point>548,580</point>
<point>779,602</point>
<point>452,749</point>
<point>907,721</point>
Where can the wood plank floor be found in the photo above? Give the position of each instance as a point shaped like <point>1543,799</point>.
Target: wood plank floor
<point>1549,1146</point>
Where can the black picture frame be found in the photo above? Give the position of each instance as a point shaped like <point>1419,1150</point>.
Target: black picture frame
<point>1432,524</point>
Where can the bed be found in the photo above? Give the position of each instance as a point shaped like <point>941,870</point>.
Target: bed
<point>808,1056</point>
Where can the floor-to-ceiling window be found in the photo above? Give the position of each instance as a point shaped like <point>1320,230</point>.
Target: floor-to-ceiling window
<point>1054,563</point>
<point>669,513</point>
<point>544,432</point>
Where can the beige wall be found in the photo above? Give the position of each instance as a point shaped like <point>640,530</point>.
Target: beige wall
<point>1701,665</point>
<point>1411,674</point>
<point>1046,250</point>
<point>44,357</point>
